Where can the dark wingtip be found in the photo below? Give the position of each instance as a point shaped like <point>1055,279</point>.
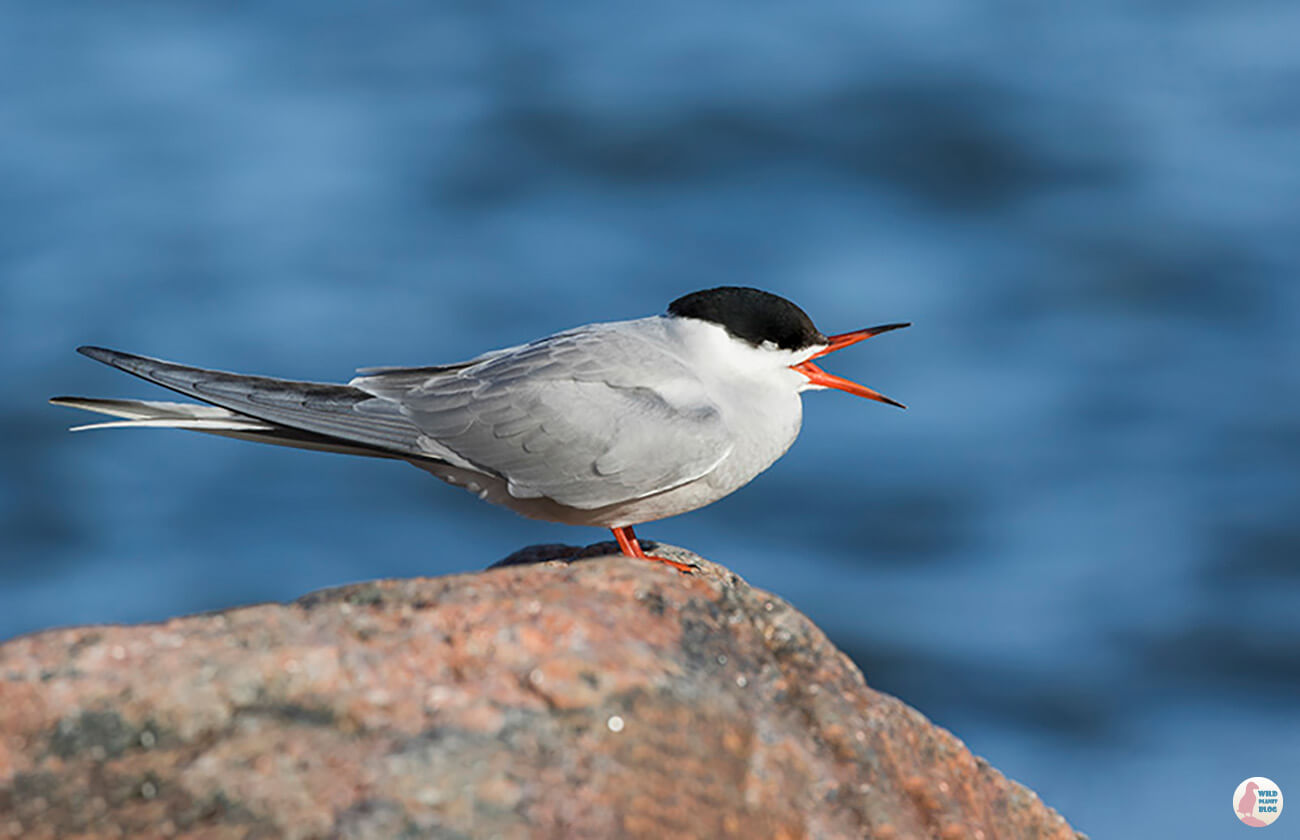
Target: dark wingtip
<point>99,354</point>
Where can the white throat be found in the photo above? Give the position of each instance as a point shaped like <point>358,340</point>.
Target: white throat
<point>716,356</point>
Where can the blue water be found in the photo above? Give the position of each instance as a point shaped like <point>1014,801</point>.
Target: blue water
<point>1079,548</point>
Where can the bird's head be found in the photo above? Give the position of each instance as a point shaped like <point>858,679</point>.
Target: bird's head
<point>773,324</point>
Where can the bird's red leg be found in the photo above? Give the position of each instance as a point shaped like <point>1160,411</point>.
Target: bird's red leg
<point>627,542</point>
<point>631,548</point>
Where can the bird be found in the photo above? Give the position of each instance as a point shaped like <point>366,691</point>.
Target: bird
<point>1246,804</point>
<point>610,424</point>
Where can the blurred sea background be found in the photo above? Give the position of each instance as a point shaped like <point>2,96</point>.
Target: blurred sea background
<point>1080,547</point>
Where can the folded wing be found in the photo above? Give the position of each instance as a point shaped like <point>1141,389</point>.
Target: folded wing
<point>588,418</point>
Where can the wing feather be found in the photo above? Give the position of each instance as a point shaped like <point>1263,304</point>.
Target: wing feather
<point>576,417</point>
<point>335,411</point>
<point>589,418</point>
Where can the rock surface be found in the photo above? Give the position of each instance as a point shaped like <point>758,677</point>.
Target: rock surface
<point>599,698</point>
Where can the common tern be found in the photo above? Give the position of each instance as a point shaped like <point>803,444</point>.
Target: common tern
<point>608,424</point>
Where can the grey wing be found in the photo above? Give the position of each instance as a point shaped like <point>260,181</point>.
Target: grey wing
<point>335,412</point>
<point>588,418</point>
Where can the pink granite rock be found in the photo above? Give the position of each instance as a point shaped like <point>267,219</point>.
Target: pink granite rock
<point>599,698</point>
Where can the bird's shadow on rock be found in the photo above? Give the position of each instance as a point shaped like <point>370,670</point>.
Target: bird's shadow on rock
<point>569,553</point>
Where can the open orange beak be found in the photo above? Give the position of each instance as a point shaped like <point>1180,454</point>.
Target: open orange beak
<point>817,376</point>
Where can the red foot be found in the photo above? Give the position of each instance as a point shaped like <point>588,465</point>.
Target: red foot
<point>631,548</point>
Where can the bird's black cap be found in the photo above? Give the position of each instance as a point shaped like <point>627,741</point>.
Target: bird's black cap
<point>751,315</point>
